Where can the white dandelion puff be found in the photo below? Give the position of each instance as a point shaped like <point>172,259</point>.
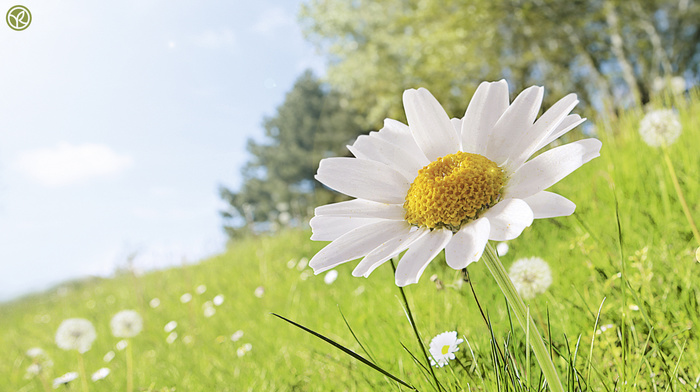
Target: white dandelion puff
<point>185,298</point>
<point>443,348</point>
<point>660,127</point>
<point>201,289</point>
<point>126,324</point>
<point>35,352</point>
<point>121,345</point>
<point>447,184</point>
<point>218,300</point>
<point>75,334</point>
<point>237,336</point>
<point>170,326</point>
<point>530,276</point>
<point>109,356</point>
<point>259,292</point>
<point>64,379</point>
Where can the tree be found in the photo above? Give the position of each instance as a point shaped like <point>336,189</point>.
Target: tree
<point>278,185</point>
<point>610,52</point>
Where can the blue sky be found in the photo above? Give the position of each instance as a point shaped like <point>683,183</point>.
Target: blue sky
<point>118,122</point>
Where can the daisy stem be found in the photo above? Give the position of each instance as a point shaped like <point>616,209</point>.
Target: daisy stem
<point>681,198</point>
<point>129,369</point>
<point>523,316</point>
<point>415,330</point>
<point>83,375</point>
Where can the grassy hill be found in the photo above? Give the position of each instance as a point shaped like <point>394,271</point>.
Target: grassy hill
<point>645,336</point>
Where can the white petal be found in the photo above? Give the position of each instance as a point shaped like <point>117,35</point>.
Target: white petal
<point>363,209</point>
<point>429,124</point>
<point>549,205</point>
<point>515,120</point>
<point>386,251</point>
<point>488,104</point>
<point>508,219</point>
<point>570,122</point>
<point>551,166</point>
<point>363,179</point>
<point>422,252</point>
<point>329,228</point>
<point>356,244</point>
<point>398,133</point>
<point>379,150</point>
<point>532,137</point>
<point>467,245</point>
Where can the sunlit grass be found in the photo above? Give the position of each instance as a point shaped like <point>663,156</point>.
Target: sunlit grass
<point>633,310</point>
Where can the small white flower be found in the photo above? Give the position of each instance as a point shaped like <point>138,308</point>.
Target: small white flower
<point>530,276</point>
<point>121,345</point>
<point>171,338</point>
<point>218,300</point>
<point>259,292</point>
<point>201,289</point>
<point>170,326</point>
<point>240,352</point>
<point>331,276</point>
<point>502,248</point>
<point>155,302</point>
<point>126,324</point>
<point>660,127</point>
<point>75,334</point>
<point>32,371</point>
<point>291,263</point>
<point>237,335</point>
<point>35,352</point>
<point>303,262</point>
<point>208,308</point>
<point>443,347</point>
<point>100,374</point>
<point>109,356</point>
<point>185,298</point>
<point>64,379</point>
<point>247,347</point>
<point>187,339</point>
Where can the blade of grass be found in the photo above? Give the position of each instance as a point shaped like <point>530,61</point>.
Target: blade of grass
<point>346,351</point>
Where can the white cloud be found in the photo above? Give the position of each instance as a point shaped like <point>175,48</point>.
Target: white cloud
<point>214,39</point>
<point>273,19</point>
<point>67,164</point>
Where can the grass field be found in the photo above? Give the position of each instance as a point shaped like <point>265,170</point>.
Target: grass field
<point>623,307</point>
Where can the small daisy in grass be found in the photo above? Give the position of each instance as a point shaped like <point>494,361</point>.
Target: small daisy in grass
<point>170,326</point>
<point>126,324</point>
<point>660,127</point>
<point>154,303</point>
<point>236,335</point>
<point>530,276</point>
<point>201,289</point>
<point>218,300</point>
<point>259,292</point>
<point>330,277</point>
<point>109,356</point>
<point>64,379</point>
<point>100,374</point>
<point>171,338</point>
<point>443,348</point>
<point>454,184</point>
<point>185,298</point>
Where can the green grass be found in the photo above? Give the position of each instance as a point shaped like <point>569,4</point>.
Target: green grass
<point>648,288</point>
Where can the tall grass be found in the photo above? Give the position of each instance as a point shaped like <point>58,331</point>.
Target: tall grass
<point>622,314</point>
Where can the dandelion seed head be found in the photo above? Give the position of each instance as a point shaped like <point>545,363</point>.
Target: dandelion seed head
<point>64,379</point>
<point>126,324</point>
<point>660,127</point>
<point>121,345</point>
<point>75,334</point>
<point>35,352</point>
<point>530,276</point>
<point>100,374</point>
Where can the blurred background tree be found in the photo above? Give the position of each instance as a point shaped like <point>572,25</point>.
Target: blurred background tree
<point>278,186</point>
<point>614,54</point>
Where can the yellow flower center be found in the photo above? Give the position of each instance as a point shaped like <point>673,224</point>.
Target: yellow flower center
<point>453,190</point>
<point>445,349</point>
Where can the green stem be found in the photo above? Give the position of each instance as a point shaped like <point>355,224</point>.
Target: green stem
<point>522,315</point>
<point>129,369</point>
<point>679,192</point>
<point>83,375</point>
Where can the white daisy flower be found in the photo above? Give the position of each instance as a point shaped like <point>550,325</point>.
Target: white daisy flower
<point>64,379</point>
<point>75,334</point>
<point>170,326</point>
<point>240,352</point>
<point>126,324</point>
<point>100,374</point>
<point>35,352</point>
<point>171,338</point>
<point>443,347</point>
<point>185,298</point>
<point>660,127</point>
<point>109,356</point>
<point>447,184</point>
<point>208,308</point>
<point>121,345</point>
<point>218,300</point>
<point>530,276</point>
<point>331,276</point>
<point>259,292</point>
<point>33,370</point>
<point>502,248</point>
<point>201,289</point>
<point>237,335</point>
<point>154,303</point>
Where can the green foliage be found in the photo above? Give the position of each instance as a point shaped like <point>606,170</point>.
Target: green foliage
<point>643,338</point>
<point>278,184</point>
<point>610,52</point>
